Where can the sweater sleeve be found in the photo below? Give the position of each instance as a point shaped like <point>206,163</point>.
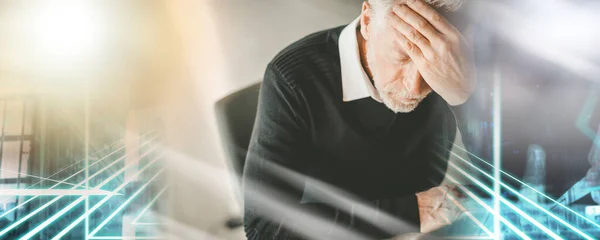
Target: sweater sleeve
<point>274,178</point>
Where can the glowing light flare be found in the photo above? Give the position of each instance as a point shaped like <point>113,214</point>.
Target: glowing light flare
<point>560,32</point>
<point>67,28</point>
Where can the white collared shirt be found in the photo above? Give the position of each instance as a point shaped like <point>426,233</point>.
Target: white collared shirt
<point>355,81</point>
<point>357,85</point>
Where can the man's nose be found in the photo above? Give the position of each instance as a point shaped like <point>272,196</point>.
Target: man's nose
<point>415,84</point>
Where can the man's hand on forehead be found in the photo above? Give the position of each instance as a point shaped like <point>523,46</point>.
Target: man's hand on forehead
<point>428,14</point>
<point>436,47</point>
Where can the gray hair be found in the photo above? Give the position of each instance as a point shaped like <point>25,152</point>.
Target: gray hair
<point>381,7</point>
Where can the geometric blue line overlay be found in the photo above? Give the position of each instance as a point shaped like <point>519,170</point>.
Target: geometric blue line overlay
<point>150,204</point>
<point>99,204</point>
<point>79,200</point>
<point>542,209</point>
<point>124,204</point>
<point>589,221</point>
<point>539,207</point>
<point>107,180</point>
<point>481,202</point>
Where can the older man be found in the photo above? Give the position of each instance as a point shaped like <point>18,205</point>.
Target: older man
<point>348,121</point>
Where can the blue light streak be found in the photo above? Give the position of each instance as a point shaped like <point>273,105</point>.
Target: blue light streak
<point>25,218</point>
<point>66,209</point>
<point>507,203</point>
<point>89,211</point>
<point>134,222</point>
<point>466,212</point>
<point>75,174</point>
<point>487,208</point>
<point>575,229</point>
<point>32,198</point>
<point>497,150</point>
<point>67,167</point>
<point>80,199</point>
<point>4,231</point>
<point>583,120</point>
<point>524,184</point>
<point>124,204</point>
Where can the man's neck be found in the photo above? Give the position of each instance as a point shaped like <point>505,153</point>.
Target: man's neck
<point>362,51</point>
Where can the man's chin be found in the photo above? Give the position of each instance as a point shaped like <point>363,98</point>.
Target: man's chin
<point>401,107</point>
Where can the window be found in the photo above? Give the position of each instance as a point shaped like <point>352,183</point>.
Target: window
<point>16,130</point>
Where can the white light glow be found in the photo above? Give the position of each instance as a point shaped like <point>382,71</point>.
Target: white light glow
<point>67,28</point>
<point>560,32</point>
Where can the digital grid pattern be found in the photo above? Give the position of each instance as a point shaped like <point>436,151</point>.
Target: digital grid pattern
<point>123,197</point>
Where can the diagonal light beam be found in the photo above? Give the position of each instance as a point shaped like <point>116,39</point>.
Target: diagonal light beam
<point>575,229</point>
<point>55,192</point>
<point>532,188</point>
<point>89,211</point>
<point>25,218</point>
<point>507,203</point>
<point>75,174</point>
<point>484,205</point>
<point>124,204</point>
<point>54,174</point>
<point>67,167</point>
<point>149,205</point>
<point>473,218</point>
<point>80,199</point>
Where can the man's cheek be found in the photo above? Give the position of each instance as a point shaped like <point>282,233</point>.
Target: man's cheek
<point>387,77</point>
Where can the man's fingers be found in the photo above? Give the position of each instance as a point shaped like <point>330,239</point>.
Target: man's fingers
<point>436,19</point>
<point>409,47</point>
<point>419,23</point>
<point>457,193</point>
<point>409,38</point>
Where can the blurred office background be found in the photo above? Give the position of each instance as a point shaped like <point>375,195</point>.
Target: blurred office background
<point>116,80</point>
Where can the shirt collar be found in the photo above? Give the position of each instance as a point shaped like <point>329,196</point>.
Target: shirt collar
<point>355,81</point>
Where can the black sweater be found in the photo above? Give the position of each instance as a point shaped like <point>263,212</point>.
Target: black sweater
<point>305,137</point>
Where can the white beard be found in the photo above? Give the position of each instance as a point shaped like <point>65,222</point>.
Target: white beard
<point>391,96</point>
<point>391,100</point>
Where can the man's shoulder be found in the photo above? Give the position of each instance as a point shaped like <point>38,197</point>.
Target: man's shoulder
<point>314,54</point>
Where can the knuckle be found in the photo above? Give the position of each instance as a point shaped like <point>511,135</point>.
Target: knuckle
<point>413,33</point>
<point>437,18</point>
<point>427,65</point>
<point>420,6</point>
<point>389,16</point>
<point>434,57</point>
<point>396,8</point>
<point>445,46</point>
<point>409,46</point>
<point>422,24</point>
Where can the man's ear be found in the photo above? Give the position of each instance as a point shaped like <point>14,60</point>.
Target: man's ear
<point>366,18</point>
